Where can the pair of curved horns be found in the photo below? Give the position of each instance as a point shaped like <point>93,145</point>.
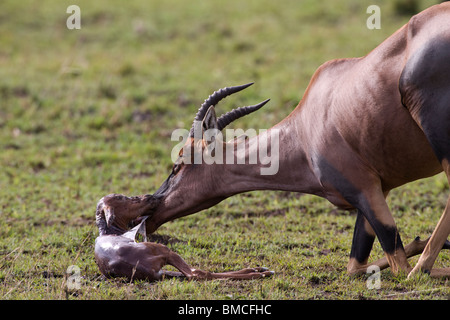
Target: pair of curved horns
<point>230,116</point>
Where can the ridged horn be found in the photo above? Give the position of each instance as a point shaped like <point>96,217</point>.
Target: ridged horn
<point>237,113</point>
<point>213,100</point>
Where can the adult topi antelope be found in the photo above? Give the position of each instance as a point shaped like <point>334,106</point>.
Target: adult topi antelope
<point>364,126</point>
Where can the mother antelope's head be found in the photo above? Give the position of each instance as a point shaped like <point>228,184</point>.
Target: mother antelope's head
<point>196,183</point>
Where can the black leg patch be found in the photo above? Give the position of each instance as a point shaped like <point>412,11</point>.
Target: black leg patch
<point>362,241</point>
<point>389,237</point>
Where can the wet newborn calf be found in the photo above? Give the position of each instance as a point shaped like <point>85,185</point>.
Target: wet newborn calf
<point>119,255</point>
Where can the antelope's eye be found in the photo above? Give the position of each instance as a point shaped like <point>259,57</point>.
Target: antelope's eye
<point>176,168</point>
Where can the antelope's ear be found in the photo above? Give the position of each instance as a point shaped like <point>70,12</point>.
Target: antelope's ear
<point>210,128</point>
<point>210,120</point>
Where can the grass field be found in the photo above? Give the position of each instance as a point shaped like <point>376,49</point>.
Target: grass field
<point>85,113</point>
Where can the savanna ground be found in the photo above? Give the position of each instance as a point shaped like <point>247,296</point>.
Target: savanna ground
<point>84,113</point>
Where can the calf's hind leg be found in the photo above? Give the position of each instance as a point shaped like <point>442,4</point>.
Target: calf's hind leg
<point>244,274</point>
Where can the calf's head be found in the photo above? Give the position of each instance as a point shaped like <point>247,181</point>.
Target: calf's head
<point>117,213</point>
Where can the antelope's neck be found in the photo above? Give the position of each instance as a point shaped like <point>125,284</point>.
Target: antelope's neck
<point>273,160</point>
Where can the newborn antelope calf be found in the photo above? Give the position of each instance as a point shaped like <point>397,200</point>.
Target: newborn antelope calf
<point>119,255</point>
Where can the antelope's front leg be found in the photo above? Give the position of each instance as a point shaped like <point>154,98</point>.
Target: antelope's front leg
<point>362,244</point>
<point>363,238</point>
<point>377,213</point>
<point>370,202</point>
<point>360,188</point>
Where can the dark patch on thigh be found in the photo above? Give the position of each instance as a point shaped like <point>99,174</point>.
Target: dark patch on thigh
<point>425,89</point>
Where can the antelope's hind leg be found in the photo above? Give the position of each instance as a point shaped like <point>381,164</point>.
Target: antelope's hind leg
<point>439,137</point>
<point>433,118</point>
<point>436,242</point>
<point>425,89</point>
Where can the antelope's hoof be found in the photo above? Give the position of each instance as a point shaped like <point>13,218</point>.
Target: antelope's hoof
<point>417,270</point>
<point>265,272</point>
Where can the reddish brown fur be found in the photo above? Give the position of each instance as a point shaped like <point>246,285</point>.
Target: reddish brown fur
<point>364,126</point>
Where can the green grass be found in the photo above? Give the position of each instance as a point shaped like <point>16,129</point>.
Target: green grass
<point>84,113</point>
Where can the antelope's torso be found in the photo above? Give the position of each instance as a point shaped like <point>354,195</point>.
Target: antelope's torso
<point>354,119</point>
<point>119,256</point>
